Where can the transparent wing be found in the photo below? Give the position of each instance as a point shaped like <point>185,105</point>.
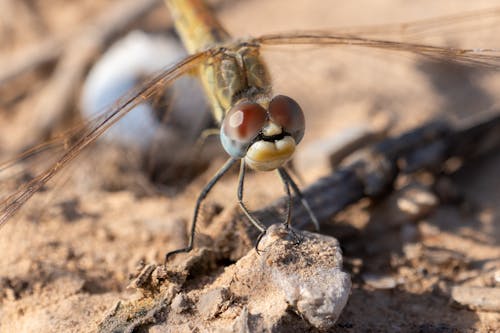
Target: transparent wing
<point>346,38</point>
<point>484,57</point>
<point>148,90</point>
<point>350,75</point>
<point>466,33</point>
<point>459,23</point>
<point>350,36</point>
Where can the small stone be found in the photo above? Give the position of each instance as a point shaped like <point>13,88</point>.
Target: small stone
<point>10,294</point>
<point>410,203</point>
<point>496,277</point>
<point>412,251</point>
<point>320,298</point>
<point>480,298</point>
<point>213,302</point>
<point>180,303</point>
<point>416,201</point>
<point>241,323</point>
<point>428,230</point>
<point>379,281</point>
<point>318,292</point>
<point>143,280</point>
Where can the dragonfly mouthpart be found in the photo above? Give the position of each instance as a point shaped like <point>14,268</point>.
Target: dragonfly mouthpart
<point>264,155</point>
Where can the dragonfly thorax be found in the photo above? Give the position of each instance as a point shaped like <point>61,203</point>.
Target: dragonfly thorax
<point>233,73</point>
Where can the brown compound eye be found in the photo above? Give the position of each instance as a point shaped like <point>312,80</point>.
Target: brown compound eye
<point>287,113</point>
<point>241,124</point>
<point>244,121</point>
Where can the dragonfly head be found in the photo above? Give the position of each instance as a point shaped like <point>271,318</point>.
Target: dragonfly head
<point>265,138</point>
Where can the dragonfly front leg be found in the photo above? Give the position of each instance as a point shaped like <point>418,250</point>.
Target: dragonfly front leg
<point>205,134</point>
<point>287,179</point>
<point>287,222</point>
<point>229,163</point>
<point>288,218</point>
<point>241,180</point>
<point>255,222</point>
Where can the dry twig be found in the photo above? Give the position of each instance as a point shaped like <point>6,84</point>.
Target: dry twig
<point>373,173</point>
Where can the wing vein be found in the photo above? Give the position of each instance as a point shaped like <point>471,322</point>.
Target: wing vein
<point>484,57</point>
<point>12,203</point>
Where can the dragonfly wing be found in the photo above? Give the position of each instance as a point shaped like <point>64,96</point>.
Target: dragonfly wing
<point>444,25</point>
<point>489,58</point>
<point>355,76</point>
<point>97,127</point>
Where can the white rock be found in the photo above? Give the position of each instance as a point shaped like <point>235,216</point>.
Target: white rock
<point>123,66</point>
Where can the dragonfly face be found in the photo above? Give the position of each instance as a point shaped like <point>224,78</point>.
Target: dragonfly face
<point>266,139</point>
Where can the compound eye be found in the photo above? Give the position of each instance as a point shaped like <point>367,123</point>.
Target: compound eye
<point>244,121</point>
<point>241,124</point>
<point>287,113</point>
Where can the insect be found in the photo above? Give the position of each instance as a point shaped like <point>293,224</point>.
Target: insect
<point>258,128</point>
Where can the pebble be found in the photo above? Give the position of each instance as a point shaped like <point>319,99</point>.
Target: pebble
<point>480,298</point>
<point>317,292</point>
<point>379,281</point>
<point>416,201</point>
<point>180,303</point>
<point>121,68</point>
<point>496,277</point>
<point>411,203</point>
<point>213,302</point>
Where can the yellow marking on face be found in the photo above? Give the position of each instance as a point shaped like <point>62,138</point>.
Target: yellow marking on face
<point>265,155</point>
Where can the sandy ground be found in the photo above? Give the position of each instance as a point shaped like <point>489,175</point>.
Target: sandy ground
<point>71,252</point>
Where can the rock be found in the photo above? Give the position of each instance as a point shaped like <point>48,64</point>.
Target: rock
<point>213,302</point>
<point>319,298</point>
<point>180,303</point>
<point>496,277</point>
<point>240,325</point>
<point>303,275</point>
<point>295,283</point>
<point>380,281</point>
<point>416,201</point>
<point>408,204</point>
<point>122,67</point>
<point>481,298</point>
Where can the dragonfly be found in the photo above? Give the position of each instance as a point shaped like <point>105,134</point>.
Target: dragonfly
<point>258,128</point>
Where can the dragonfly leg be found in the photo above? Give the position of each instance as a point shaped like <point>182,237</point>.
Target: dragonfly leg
<point>287,222</point>
<point>241,180</point>
<point>256,245</point>
<point>204,136</point>
<point>229,163</point>
<point>252,219</point>
<point>286,178</point>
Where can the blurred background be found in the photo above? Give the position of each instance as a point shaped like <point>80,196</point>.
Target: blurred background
<point>128,198</point>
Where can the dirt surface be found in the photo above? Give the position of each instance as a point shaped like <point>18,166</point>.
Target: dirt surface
<point>419,258</point>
